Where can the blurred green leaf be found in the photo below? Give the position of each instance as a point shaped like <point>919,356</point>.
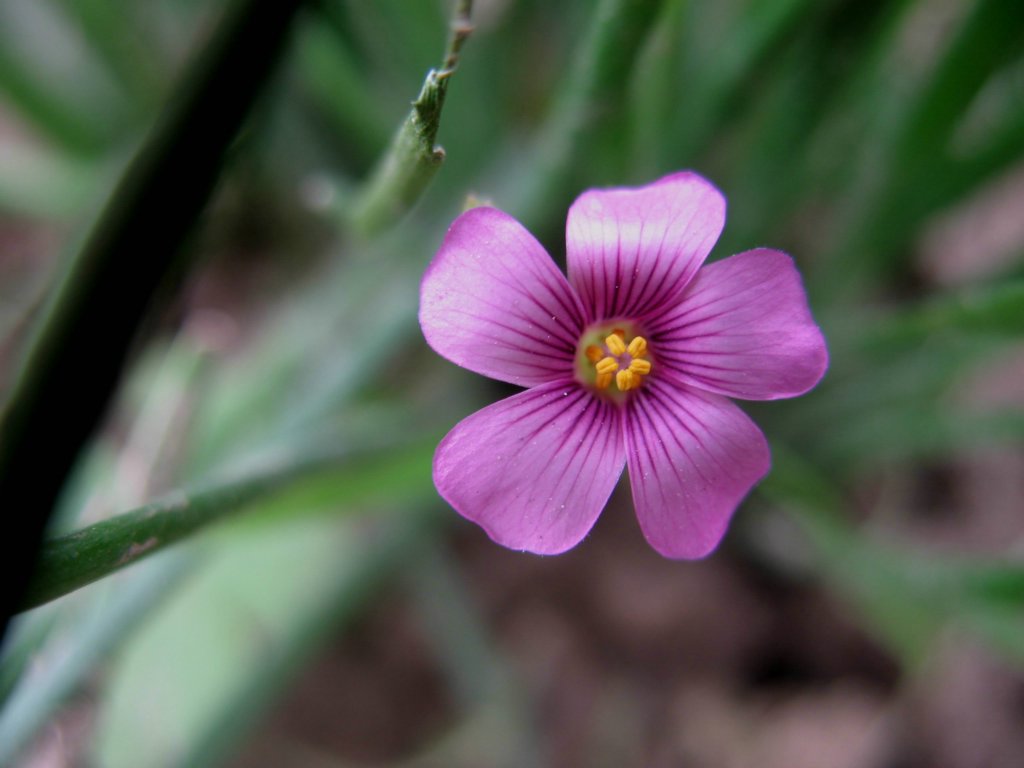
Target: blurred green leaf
<point>413,158</point>
<point>916,170</point>
<point>93,623</point>
<point>892,391</point>
<point>988,39</point>
<point>593,93</point>
<point>78,637</point>
<point>997,309</point>
<point>209,663</point>
<point>54,648</point>
<point>495,708</point>
<point>53,83</point>
<point>700,100</point>
<point>455,627</point>
<point>907,596</point>
<point>400,475</point>
<point>45,184</point>
<point>27,636</point>
<point>304,369</point>
<point>835,129</point>
<point>338,86</point>
<point>653,97</point>
<point>108,288</point>
<point>997,583</point>
<point>123,43</point>
<point>71,561</point>
<point>397,39</point>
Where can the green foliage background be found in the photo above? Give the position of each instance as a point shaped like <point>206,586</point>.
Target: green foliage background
<point>287,400</point>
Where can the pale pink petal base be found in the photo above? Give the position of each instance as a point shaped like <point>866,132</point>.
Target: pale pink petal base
<point>494,302</point>
<point>692,458</point>
<point>743,329</point>
<point>632,250</point>
<point>534,470</point>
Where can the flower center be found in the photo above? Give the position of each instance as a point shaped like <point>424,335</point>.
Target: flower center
<point>613,356</point>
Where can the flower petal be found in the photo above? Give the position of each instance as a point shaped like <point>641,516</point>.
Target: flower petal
<point>534,470</point>
<point>493,301</point>
<point>692,458</point>
<point>631,250</point>
<point>743,329</point>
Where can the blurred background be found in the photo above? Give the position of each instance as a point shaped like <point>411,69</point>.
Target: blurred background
<point>325,607</point>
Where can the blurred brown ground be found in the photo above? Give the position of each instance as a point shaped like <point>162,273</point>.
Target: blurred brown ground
<point>632,660</point>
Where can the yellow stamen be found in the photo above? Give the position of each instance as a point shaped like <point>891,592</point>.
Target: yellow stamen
<point>638,346</point>
<point>615,344</point>
<point>622,359</point>
<point>640,367</point>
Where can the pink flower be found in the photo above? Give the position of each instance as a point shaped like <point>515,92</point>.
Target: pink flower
<point>628,362</point>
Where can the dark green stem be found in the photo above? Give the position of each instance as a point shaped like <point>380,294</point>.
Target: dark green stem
<point>70,562</point>
<point>76,356</point>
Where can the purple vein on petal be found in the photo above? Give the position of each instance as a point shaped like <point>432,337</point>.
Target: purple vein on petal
<point>630,250</point>
<point>535,469</point>
<point>540,346</point>
<point>693,456</point>
<point>517,288</point>
<point>643,448</point>
<point>571,331</point>
<point>743,329</point>
<point>493,301</point>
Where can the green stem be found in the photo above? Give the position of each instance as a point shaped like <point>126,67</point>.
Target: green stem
<point>413,158</point>
<point>72,561</point>
<point>76,356</point>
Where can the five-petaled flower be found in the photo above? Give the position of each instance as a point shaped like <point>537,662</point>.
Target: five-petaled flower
<point>628,362</point>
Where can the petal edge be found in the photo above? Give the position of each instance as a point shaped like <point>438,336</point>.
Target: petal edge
<point>493,301</point>
<point>743,328</point>
<point>692,458</point>
<point>632,250</point>
<point>533,470</point>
